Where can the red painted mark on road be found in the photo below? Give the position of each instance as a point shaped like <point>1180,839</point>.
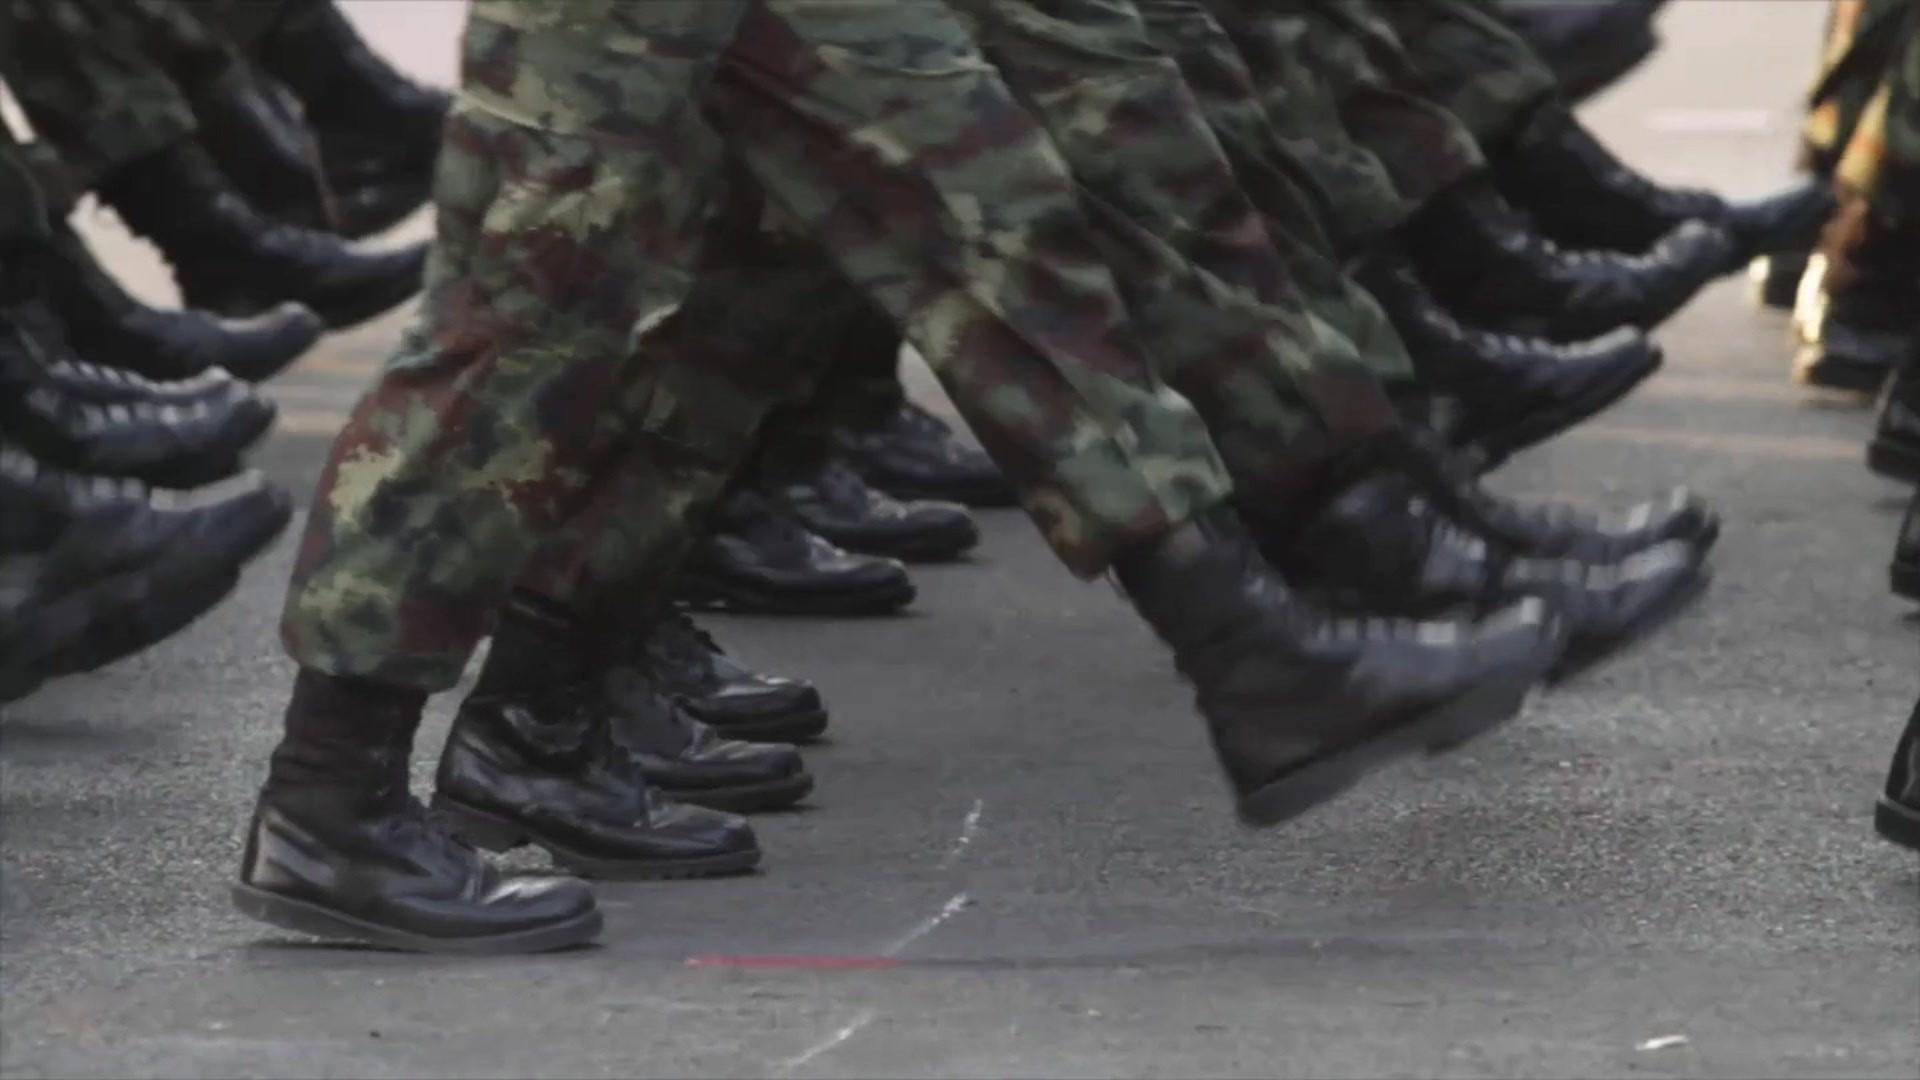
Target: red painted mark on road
<point>800,962</point>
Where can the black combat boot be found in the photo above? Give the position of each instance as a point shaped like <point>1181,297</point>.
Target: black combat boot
<point>1544,530</point>
<point>374,206</point>
<point>1589,44</point>
<point>1300,706</point>
<point>536,756</point>
<point>231,260</point>
<point>1511,392</point>
<point>182,443</point>
<point>691,762</point>
<point>833,502</point>
<point>103,321</point>
<point>1895,450</point>
<point>374,124</point>
<point>1377,547</point>
<point>93,570</point>
<point>758,559</point>
<point>262,147</point>
<point>1897,817</point>
<point>1906,554</point>
<point>1581,195</point>
<point>36,351</point>
<point>1485,262</point>
<point>720,692</point>
<point>338,848</point>
<point>909,453</point>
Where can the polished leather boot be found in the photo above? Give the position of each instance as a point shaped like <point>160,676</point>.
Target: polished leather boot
<point>1542,530</point>
<point>1300,706</point>
<point>1485,262</point>
<point>1373,548</point>
<point>909,453</point>
<point>36,350</point>
<point>1589,44</point>
<point>185,443</point>
<point>371,207</point>
<point>761,560</point>
<point>833,502</point>
<point>692,763</point>
<point>102,320</point>
<point>338,848</point>
<point>1582,196</point>
<point>1510,392</point>
<point>262,148</point>
<point>718,691</point>
<point>1859,337</point>
<point>1895,449</point>
<point>1906,554</point>
<point>93,570</point>
<point>1897,817</point>
<point>537,755</point>
<point>231,260</point>
<point>373,123</point>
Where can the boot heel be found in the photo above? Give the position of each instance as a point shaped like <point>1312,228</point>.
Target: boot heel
<point>481,829</point>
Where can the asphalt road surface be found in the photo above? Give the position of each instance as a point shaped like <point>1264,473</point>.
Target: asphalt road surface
<point>1666,868</point>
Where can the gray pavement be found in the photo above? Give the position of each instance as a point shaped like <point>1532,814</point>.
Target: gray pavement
<point>1666,868</point>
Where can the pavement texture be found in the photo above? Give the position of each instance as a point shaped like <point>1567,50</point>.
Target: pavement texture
<point>1665,869</point>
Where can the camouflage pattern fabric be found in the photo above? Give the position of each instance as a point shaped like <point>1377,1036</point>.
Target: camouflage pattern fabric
<point>1896,197</point>
<point>1470,62</point>
<point>1223,320</point>
<point>87,82</point>
<point>1273,175</point>
<point>573,188</point>
<point>1880,163</point>
<point>1862,41</point>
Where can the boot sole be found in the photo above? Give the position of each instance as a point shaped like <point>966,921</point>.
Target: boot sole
<point>797,728</point>
<point>702,593</point>
<point>1500,444</point>
<point>974,497</point>
<point>746,798</point>
<point>1436,731</point>
<point>932,550</point>
<point>312,919</point>
<point>1585,654</point>
<point>1893,460</point>
<point>1897,823</point>
<point>497,834</point>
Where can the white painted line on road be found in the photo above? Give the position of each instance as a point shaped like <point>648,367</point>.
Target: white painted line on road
<point>969,827</point>
<point>927,925</point>
<point>1710,121</point>
<point>795,1062</point>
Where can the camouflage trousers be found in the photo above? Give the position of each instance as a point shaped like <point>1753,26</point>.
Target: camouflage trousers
<point>1862,42</point>
<point>85,77</point>
<point>1879,165</point>
<point>1274,173</point>
<point>548,380</point>
<point>1470,62</point>
<point>1336,83</point>
<point>1224,320</point>
<point>1210,289</point>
